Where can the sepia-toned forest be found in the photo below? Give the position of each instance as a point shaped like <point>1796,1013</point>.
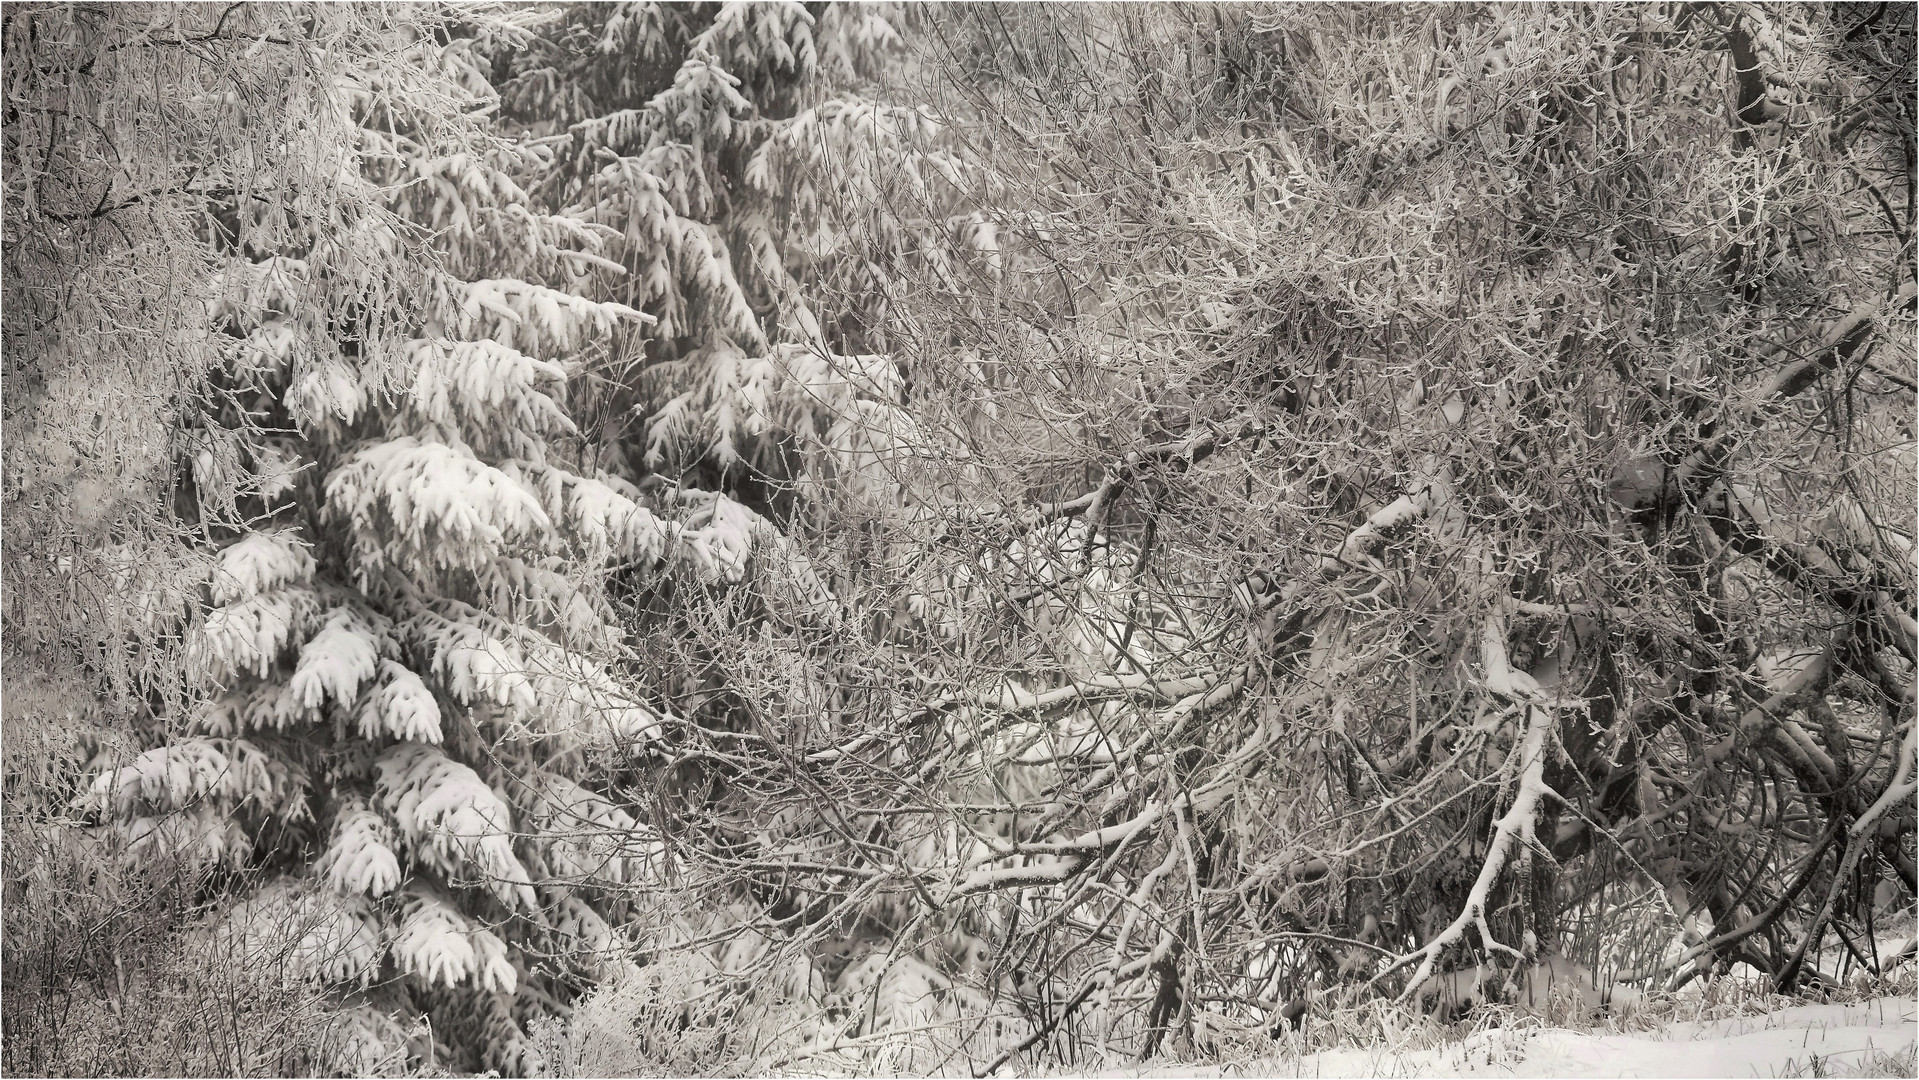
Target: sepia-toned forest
<point>768,538</point>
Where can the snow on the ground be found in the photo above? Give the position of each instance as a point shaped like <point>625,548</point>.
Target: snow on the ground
<point>1780,1043</point>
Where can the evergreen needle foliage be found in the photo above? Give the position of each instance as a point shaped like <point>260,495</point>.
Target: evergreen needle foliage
<point>697,538</point>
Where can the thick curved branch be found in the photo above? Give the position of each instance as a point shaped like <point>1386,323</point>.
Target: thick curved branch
<point>1515,826</point>
<point>1899,791</point>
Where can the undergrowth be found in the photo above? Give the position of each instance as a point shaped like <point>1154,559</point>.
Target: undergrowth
<point>642,1028</point>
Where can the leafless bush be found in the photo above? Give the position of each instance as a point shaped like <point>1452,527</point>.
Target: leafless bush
<point>1396,489</point>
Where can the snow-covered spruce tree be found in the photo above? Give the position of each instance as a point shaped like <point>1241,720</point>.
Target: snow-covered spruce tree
<point>410,668</point>
<point>764,197</point>
<point>125,128</point>
<point>724,144</point>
